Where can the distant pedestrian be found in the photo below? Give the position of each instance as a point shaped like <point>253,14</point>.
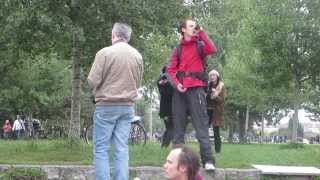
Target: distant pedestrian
<point>18,127</point>
<point>7,129</point>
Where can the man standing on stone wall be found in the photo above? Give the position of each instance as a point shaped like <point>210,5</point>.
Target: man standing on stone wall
<point>188,77</point>
<point>114,78</point>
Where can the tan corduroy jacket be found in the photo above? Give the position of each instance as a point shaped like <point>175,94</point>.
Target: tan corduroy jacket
<point>116,74</point>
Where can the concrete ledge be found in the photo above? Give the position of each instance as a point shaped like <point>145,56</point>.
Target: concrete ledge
<point>77,172</point>
<point>288,170</point>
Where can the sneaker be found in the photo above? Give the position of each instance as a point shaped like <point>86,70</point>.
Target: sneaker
<point>209,167</point>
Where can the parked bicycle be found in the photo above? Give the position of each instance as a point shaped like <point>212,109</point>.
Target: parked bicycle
<point>137,136</point>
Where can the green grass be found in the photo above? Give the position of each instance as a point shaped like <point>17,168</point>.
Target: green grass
<point>232,156</point>
<point>21,173</point>
<point>243,156</point>
<point>43,152</point>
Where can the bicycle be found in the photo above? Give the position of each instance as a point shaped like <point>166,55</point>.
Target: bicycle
<point>137,135</point>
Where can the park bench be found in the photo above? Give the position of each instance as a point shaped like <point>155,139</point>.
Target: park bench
<point>289,172</point>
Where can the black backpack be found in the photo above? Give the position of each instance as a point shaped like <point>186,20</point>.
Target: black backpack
<point>200,45</point>
<point>199,75</point>
<point>166,90</point>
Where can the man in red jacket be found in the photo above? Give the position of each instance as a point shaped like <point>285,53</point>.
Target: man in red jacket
<point>186,72</point>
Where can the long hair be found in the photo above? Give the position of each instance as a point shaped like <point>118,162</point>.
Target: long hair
<point>190,160</point>
<point>214,85</point>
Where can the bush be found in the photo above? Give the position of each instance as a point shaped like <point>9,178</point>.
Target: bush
<point>23,174</point>
<point>292,145</point>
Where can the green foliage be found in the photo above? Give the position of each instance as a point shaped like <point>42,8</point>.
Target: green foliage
<point>157,54</point>
<point>21,173</point>
<point>265,55</point>
<point>40,38</point>
<point>292,145</point>
<point>38,85</point>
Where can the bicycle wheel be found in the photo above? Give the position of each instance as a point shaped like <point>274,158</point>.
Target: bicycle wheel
<point>137,134</point>
<point>88,134</point>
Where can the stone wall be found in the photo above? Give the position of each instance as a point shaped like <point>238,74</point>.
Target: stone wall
<point>72,172</point>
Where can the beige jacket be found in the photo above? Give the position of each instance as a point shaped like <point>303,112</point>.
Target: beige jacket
<point>116,74</point>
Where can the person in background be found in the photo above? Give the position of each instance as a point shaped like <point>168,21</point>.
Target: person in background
<point>18,127</point>
<point>182,164</point>
<point>165,112</point>
<point>7,129</point>
<point>215,104</point>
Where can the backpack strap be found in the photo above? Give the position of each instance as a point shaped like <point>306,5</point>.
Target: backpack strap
<point>200,75</point>
<point>178,47</point>
<point>200,45</point>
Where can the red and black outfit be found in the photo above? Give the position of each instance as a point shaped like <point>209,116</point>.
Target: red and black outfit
<point>193,101</point>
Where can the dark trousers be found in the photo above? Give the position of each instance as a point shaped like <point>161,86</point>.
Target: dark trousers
<point>19,133</point>
<point>168,134</point>
<point>216,133</point>
<point>217,139</point>
<point>194,102</point>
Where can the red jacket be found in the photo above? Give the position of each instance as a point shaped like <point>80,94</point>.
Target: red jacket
<point>7,127</point>
<point>190,60</point>
<point>198,177</point>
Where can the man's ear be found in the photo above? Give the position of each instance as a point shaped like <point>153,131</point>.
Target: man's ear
<point>112,35</point>
<point>183,169</point>
<point>183,30</point>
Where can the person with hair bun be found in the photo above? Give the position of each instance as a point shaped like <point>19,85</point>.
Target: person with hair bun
<point>215,105</point>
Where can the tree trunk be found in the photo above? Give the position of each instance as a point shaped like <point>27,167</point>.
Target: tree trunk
<point>295,120</point>
<point>30,125</point>
<point>74,128</point>
<point>230,133</point>
<point>247,121</point>
<point>262,128</point>
<point>241,117</point>
<point>148,118</point>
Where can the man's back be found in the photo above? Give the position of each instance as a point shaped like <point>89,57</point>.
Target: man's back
<point>116,75</point>
<point>114,79</point>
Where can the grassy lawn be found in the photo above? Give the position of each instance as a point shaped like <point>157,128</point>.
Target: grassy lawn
<point>232,156</point>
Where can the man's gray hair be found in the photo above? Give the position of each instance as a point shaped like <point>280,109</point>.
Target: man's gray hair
<point>122,31</point>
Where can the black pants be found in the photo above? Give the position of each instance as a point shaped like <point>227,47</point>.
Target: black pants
<point>194,102</point>
<point>217,139</point>
<point>216,133</point>
<point>168,134</point>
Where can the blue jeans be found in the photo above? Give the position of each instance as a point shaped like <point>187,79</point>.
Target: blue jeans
<point>112,126</point>
<point>19,133</point>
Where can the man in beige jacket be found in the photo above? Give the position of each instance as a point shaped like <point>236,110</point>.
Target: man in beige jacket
<point>114,78</point>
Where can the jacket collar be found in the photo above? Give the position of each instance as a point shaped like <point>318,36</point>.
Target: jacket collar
<point>193,40</point>
<point>117,41</point>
